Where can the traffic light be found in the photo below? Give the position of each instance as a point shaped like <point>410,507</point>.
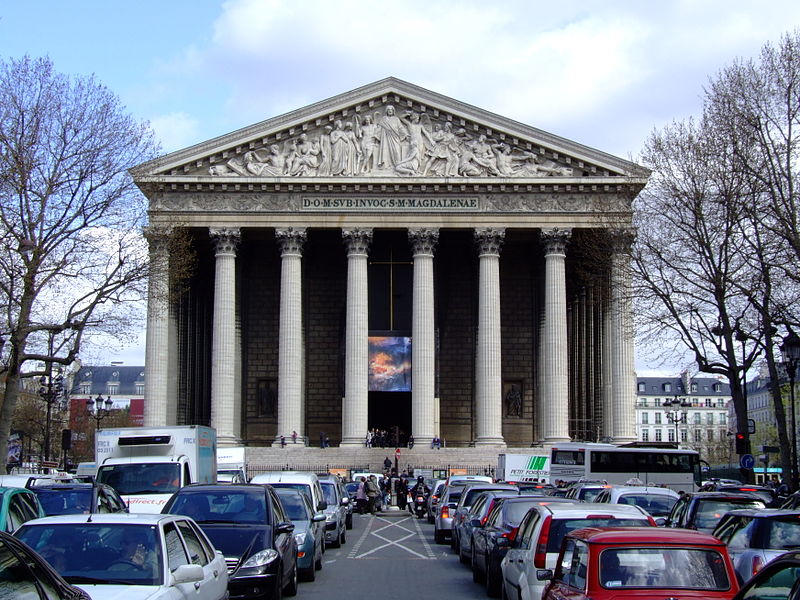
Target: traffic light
<point>742,443</point>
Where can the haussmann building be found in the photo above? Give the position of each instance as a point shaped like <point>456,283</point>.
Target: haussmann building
<point>391,257</point>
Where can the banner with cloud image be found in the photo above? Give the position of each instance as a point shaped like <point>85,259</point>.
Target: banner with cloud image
<point>389,364</point>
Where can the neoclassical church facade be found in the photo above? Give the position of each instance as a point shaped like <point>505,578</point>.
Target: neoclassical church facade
<point>391,258</point>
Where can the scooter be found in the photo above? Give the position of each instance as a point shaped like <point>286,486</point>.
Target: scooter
<point>420,506</point>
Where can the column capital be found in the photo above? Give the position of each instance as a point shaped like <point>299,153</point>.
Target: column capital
<point>291,240</point>
<point>357,240</point>
<point>226,239</point>
<point>489,240</point>
<point>555,240</point>
<point>622,239</point>
<point>157,236</point>
<point>423,241</point>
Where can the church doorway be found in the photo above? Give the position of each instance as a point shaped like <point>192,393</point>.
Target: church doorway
<point>388,410</point>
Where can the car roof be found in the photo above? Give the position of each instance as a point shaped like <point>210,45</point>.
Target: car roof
<point>106,518</point>
<point>643,489</point>
<point>764,513</point>
<point>285,477</point>
<point>644,535</point>
<point>215,487</point>
<point>584,509</point>
<point>721,496</point>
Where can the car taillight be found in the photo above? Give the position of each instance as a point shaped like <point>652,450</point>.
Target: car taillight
<point>757,564</point>
<point>484,519</point>
<point>539,558</point>
<point>511,535</point>
<point>445,514</point>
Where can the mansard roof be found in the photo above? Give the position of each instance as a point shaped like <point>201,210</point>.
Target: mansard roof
<point>388,129</point>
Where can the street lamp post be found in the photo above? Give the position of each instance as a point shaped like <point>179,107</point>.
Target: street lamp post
<point>51,390</point>
<point>677,411</point>
<point>791,357</point>
<point>99,408</point>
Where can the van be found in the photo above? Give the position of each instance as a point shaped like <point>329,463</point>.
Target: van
<point>304,481</point>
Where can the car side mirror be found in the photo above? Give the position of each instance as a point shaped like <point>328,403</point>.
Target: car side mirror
<point>345,501</point>
<point>544,574</point>
<point>187,574</point>
<point>322,505</point>
<point>475,523</point>
<point>318,517</point>
<point>661,522</point>
<point>285,527</point>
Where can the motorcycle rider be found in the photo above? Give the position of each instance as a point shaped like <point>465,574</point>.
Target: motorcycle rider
<point>420,489</point>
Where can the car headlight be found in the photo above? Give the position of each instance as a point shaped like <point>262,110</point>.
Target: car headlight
<point>259,559</point>
<point>300,538</point>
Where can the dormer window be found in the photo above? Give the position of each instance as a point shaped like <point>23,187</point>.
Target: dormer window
<point>667,387</point>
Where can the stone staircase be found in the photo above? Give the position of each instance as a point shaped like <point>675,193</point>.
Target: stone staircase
<point>475,461</point>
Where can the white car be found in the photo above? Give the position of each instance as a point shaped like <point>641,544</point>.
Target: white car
<point>538,540</point>
<point>657,501</point>
<point>131,556</point>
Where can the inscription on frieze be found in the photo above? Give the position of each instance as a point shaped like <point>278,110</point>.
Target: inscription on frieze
<point>415,204</point>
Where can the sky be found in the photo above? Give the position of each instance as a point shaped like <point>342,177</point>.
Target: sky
<point>603,73</point>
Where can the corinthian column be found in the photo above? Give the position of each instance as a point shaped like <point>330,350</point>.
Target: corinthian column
<point>555,395</point>
<point>488,383</point>
<point>157,355</point>
<point>223,346</point>
<point>423,349</point>
<point>623,375</point>
<point>356,405</point>
<point>290,337</point>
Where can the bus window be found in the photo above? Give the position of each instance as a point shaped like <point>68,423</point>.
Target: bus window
<point>567,457</point>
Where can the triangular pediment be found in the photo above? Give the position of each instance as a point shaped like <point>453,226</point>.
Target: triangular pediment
<point>386,130</point>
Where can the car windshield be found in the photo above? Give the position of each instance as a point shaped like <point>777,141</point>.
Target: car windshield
<point>559,528</point>
<point>709,512</point>
<point>300,487</point>
<point>294,505</point>
<point>98,552</point>
<point>674,568</point>
<point>588,494</point>
<point>656,505</point>
<point>765,495</point>
<point>235,506</point>
<point>782,533</point>
<point>64,502</point>
<point>514,511</point>
<point>151,478</point>
<point>329,492</point>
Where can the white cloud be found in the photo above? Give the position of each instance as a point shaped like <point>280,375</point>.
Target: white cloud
<point>175,130</point>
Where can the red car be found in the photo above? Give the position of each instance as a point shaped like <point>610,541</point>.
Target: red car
<point>641,563</point>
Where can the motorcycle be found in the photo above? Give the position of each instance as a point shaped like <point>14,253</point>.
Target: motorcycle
<point>420,506</point>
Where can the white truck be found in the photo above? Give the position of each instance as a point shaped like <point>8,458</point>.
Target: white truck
<point>527,468</point>
<point>231,465</point>
<point>146,465</point>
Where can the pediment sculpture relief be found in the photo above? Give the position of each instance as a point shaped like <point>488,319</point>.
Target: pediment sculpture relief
<point>387,144</point>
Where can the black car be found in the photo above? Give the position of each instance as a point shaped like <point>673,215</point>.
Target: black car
<point>765,493</point>
<point>25,574</point>
<point>703,510</point>
<point>247,523</point>
<point>78,498</point>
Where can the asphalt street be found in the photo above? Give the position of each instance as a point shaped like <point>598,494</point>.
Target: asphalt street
<point>391,558</point>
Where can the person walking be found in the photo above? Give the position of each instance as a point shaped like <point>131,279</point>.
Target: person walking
<point>372,494</point>
<point>283,441</point>
<point>387,464</point>
<point>321,439</point>
<point>294,437</point>
<point>361,496</point>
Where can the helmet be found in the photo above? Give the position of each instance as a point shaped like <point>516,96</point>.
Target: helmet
<point>420,479</point>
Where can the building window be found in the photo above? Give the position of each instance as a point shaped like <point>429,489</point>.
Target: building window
<point>723,419</point>
<point>695,402</point>
<point>697,435</point>
<point>658,418</point>
<point>710,435</point>
<point>670,435</point>
<point>710,419</point>
<point>720,403</point>
<point>684,435</point>
<point>658,435</point>
<point>667,387</point>
<point>694,387</point>
<point>696,418</point>
<point>643,402</point>
<point>645,435</point>
<point>642,388</point>
<point>112,389</point>
<point>708,402</point>
<point>717,387</point>
<point>140,389</point>
<point>645,418</point>
<point>86,388</point>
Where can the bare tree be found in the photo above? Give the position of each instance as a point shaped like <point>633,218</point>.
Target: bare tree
<point>73,258</point>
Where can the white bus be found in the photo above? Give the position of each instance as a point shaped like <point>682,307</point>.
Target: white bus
<point>674,468</point>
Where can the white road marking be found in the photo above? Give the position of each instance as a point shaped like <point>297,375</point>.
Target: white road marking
<point>393,523</point>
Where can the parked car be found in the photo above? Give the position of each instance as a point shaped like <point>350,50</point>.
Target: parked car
<point>468,496</point>
<point>433,499</point>
<point>491,542</point>
<point>443,522</point>
<point>23,573</point>
<point>18,505</point>
<point>231,476</point>
<point>475,518</point>
<point>79,498</point>
<point>335,511</point>
<point>657,501</point>
<point>538,540</point>
<point>545,489</point>
<point>755,537</point>
<point>776,581</point>
<point>586,491</point>
<point>703,510</point>
<point>640,562</point>
<point>121,555</point>
<point>309,531</point>
<point>767,494</point>
<point>305,481</point>
<point>247,523</point>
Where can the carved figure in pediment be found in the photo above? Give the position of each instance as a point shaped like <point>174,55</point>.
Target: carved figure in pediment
<point>418,136</point>
<point>443,156</point>
<point>325,151</point>
<point>392,134</point>
<point>505,160</point>
<point>466,160</point>
<point>340,149</point>
<point>484,156</point>
<point>367,136</point>
<point>304,159</point>
<point>530,165</point>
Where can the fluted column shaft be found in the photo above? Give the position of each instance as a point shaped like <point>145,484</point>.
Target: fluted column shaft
<point>623,374</point>
<point>488,382</point>
<point>157,358</point>
<point>223,358</point>
<point>423,347</point>
<point>290,334</point>
<point>556,369</point>
<point>356,404</point>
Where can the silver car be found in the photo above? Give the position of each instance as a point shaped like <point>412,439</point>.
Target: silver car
<point>657,501</point>
<point>756,536</point>
<point>336,510</point>
<point>443,523</point>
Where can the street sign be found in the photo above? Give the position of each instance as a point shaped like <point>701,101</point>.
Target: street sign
<point>747,461</point>
<point>397,452</point>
